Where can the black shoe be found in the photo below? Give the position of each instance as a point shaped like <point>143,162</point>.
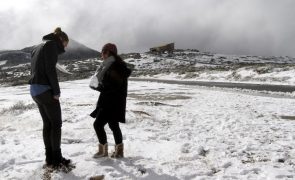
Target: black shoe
<point>65,162</point>
<point>65,166</point>
<point>57,158</point>
<point>61,163</point>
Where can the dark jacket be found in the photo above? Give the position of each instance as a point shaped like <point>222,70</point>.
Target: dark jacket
<point>44,59</point>
<point>113,93</point>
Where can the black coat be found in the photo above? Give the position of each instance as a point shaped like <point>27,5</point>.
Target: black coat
<point>111,103</point>
<point>44,59</point>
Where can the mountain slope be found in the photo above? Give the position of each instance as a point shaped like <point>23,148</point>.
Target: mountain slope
<point>75,50</point>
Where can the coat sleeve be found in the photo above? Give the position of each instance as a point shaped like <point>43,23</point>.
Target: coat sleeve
<point>119,75</point>
<point>115,79</point>
<point>50,57</point>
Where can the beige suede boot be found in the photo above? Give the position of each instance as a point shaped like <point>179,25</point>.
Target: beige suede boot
<point>119,151</point>
<point>102,151</point>
<point>100,177</point>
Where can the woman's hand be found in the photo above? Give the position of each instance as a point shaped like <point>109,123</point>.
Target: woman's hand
<point>56,97</point>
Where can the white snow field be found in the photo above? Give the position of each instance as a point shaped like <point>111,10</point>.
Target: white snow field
<point>172,132</point>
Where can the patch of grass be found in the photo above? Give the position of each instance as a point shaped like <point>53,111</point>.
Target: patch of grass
<point>19,108</point>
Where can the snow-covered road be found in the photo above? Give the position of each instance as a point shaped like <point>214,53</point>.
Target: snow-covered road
<point>239,85</point>
<point>172,132</point>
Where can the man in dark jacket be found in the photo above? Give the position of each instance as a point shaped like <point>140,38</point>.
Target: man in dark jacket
<point>111,105</point>
<point>45,91</point>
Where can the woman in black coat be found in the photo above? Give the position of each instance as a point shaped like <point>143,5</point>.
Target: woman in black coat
<point>111,106</point>
<point>45,91</point>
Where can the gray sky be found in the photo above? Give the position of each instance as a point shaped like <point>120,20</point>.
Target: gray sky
<point>258,27</point>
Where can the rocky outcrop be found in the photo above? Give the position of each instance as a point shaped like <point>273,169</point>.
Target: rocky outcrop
<point>164,48</point>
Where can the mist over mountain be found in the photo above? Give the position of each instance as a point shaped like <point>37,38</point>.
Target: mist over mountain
<point>76,50</point>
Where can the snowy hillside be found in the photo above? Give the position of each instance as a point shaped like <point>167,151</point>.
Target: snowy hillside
<point>172,132</point>
<point>194,65</point>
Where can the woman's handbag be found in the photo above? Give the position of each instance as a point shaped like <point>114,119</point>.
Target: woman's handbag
<point>93,84</point>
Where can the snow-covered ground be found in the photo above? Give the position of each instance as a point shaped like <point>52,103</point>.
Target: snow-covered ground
<point>241,75</point>
<point>172,132</point>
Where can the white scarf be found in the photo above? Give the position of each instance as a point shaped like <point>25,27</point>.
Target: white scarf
<point>97,78</point>
<point>106,64</point>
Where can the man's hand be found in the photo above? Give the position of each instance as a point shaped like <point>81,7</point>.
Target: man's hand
<point>56,97</point>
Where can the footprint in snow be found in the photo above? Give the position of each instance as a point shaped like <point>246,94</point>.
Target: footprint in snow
<point>186,148</point>
<point>16,142</point>
<point>202,151</point>
<point>71,141</point>
<point>254,170</point>
<point>284,176</point>
<point>226,165</point>
<point>77,154</point>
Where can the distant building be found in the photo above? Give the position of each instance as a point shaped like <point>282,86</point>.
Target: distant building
<point>162,49</point>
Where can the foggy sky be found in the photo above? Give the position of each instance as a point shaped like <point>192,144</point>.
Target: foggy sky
<point>257,27</point>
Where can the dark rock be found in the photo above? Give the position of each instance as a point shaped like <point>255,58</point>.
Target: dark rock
<point>130,55</point>
<point>281,160</point>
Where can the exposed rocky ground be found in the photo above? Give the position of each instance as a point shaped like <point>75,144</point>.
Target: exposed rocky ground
<point>182,64</point>
<point>20,74</point>
<point>195,65</point>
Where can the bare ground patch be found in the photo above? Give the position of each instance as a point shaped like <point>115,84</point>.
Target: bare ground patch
<point>156,97</point>
<point>292,118</point>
